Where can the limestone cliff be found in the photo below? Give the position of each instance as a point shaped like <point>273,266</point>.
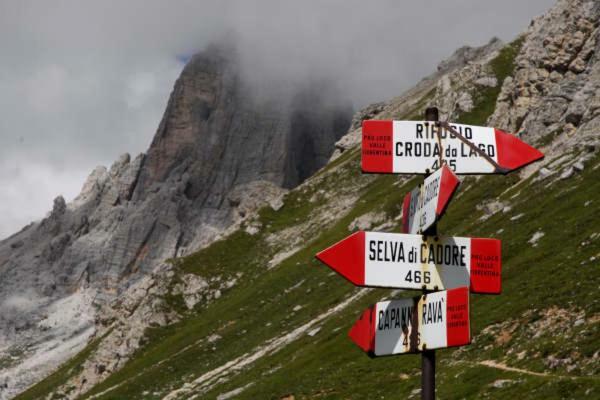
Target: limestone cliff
<point>215,137</point>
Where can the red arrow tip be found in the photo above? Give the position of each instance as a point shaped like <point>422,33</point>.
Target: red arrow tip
<point>448,186</point>
<point>347,258</point>
<point>362,332</point>
<point>514,153</point>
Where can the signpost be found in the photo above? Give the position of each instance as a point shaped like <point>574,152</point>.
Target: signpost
<point>431,321</point>
<point>403,261</point>
<point>416,147</point>
<point>448,266</point>
<point>426,204</point>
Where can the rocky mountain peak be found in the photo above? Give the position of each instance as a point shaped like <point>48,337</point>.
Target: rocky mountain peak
<point>217,133</point>
<point>219,153</point>
<point>465,54</point>
<point>556,79</point>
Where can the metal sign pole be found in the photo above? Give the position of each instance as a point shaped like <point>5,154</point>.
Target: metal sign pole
<point>428,375</point>
<point>428,356</point>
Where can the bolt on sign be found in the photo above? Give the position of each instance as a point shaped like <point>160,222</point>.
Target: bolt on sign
<point>404,261</point>
<point>432,321</point>
<point>417,147</point>
<point>426,204</point>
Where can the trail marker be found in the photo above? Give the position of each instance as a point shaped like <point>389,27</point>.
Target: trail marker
<point>426,204</point>
<point>413,147</point>
<point>436,319</point>
<point>432,321</point>
<point>403,261</point>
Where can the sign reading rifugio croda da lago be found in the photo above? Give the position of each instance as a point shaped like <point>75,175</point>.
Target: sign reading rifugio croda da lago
<point>416,147</point>
<point>445,268</point>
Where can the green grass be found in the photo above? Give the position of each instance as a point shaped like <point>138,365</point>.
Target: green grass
<point>331,367</point>
<point>533,278</point>
<point>236,311</point>
<point>344,157</point>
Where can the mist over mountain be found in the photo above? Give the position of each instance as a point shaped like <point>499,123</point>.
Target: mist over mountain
<point>221,151</point>
<point>80,84</point>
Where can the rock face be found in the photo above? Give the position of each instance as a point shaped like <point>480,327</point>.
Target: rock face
<point>455,90</point>
<point>278,140</point>
<point>216,136</point>
<point>464,55</point>
<point>553,100</point>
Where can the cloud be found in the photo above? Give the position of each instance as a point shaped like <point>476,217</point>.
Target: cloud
<point>82,82</point>
<point>20,303</point>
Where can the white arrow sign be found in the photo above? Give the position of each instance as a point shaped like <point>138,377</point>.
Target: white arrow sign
<point>416,147</point>
<point>433,321</point>
<point>425,205</point>
<point>403,261</point>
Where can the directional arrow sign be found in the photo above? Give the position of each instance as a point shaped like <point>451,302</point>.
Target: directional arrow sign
<point>425,205</point>
<point>433,321</point>
<point>396,260</point>
<point>413,147</point>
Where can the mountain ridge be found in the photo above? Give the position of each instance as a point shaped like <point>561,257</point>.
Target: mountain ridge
<point>219,152</point>
<point>254,315</point>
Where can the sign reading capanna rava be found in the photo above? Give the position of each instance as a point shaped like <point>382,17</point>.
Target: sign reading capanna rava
<point>432,321</point>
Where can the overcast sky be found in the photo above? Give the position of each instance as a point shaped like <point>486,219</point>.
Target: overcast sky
<point>82,82</point>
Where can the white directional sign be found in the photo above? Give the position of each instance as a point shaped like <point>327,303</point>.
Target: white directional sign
<point>424,206</point>
<point>396,260</point>
<point>433,321</point>
<point>416,147</point>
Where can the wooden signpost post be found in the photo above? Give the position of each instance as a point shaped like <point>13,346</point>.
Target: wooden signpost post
<point>447,268</point>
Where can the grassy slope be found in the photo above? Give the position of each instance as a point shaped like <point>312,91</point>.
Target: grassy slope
<point>534,278</point>
<point>327,365</point>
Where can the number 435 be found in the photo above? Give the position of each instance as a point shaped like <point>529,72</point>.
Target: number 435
<point>451,163</point>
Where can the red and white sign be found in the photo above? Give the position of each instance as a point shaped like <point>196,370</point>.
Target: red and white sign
<point>426,204</point>
<point>413,147</point>
<point>433,321</point>
<point>396,260</point>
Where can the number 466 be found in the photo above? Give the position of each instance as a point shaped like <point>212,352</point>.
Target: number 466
<point>417,277</point>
